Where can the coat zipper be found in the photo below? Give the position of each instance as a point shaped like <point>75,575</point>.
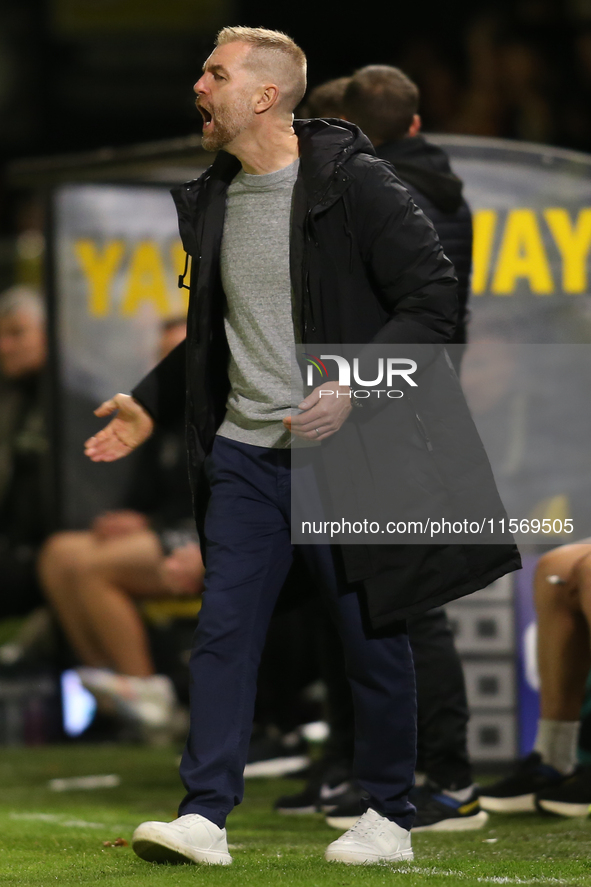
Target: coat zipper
<point>424,434</point>
<point>308,307</point>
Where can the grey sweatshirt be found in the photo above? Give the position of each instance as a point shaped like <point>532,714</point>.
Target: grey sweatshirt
<point>258,319</point>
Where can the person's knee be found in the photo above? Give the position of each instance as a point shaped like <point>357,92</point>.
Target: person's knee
<point>555,586</point>
<point>114,560</point>
<point>62,551</point>
<point>548,565</point>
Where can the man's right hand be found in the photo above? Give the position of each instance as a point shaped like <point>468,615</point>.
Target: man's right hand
<point>131,427</point>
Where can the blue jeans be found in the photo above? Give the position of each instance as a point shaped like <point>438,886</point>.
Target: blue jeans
<point>248,555</point>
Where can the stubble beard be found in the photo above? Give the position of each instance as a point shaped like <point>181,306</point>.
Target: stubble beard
<point>229,123</point>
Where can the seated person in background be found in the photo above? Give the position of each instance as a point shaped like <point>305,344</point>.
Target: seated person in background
<point>25,508</point>
<point>548,779</point>
<point>93,578</point>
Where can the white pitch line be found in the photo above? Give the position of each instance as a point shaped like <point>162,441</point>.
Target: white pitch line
<point>492,879</point>
<point>55,819</point>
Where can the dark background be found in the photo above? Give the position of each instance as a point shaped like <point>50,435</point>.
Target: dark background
<point>82,74</point>
<point>67,82</point>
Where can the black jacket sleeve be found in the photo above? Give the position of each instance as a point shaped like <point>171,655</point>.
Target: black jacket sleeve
<point>405,260</point>
<point>162,391</point>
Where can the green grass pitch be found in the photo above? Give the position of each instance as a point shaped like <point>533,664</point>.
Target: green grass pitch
<point>49,838</point>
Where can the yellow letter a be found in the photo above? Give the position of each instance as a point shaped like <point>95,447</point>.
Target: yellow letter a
<point>522,254</point>
<point>147,282</point>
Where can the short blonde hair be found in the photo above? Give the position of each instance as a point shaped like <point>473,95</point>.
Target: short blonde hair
<point>277,54</point>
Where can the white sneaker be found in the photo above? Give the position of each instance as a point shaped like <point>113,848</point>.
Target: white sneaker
<point>372,839</point>
<point>149,702</point>
<point>190,838</point>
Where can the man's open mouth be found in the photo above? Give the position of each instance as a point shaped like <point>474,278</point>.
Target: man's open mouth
<point>207,116</point>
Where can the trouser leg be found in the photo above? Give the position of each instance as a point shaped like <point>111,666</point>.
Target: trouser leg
<point>248,555</point>
<point>443,706</point>
<point>442,717</point>
<point>381,674</point>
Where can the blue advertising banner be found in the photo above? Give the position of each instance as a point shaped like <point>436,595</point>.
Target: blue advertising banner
<point>528,682</point>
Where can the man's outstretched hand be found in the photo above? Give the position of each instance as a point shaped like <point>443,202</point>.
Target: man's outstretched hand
<point>127,430</point>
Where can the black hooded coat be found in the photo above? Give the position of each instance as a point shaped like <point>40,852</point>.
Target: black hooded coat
<point>366,267</point>
<point>425,172</point>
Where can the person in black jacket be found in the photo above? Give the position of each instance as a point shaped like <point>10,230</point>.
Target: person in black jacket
<point>383,101</point>
<point>333,251</point>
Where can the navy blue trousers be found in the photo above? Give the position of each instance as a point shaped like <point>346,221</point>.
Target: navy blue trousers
<point>248,554</point>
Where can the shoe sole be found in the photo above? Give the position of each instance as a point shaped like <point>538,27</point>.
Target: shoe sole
<point>518,804</point>
<point>275,767</point>
<point>351,858</point>
<point>157,849</point>
<point>561,808</point>
<point>457,824</point>
<point>112,705</point>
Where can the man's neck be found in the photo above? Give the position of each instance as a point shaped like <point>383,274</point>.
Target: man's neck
<point>267,150</point>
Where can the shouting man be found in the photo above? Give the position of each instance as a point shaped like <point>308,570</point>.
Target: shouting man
<point>297,233</point>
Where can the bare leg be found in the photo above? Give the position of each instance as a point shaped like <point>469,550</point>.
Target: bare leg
<point>582,580</point>
<point>563,634</point>
<point>90,584</point>
<point>58,566</point>
<point>122,569</point>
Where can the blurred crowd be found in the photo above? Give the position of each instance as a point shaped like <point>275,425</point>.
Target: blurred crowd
<point>517,70</point>
<point>523,73</point>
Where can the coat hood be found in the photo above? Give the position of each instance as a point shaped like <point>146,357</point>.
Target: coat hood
<point>326,144</point>
<point>426,167</point>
